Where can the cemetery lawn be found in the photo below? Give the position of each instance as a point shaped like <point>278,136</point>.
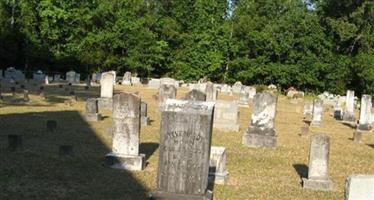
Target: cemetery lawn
<point>38,172</point>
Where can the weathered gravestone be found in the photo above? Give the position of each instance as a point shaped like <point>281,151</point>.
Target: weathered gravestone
<point>308,110</point>
<point>359,187</point>
<point>211,92</point>
<point>365,113</point>
<point>169,81</point>
<point>218,173</point>
<point>261,132</point>
<point>11,74</point>
<point>126,80</point>
<point>56,78</point>
<point>166,92</point>
<point>318,178</point>
<point>183,167</point>
<point>243,98</point>
<point>317,112</point>
<point>126,130</point>
<point>70,76</point>
<point>154,83</point>
<point>251,91</point>
<point>349,114</point>
<point>237,87</point>
<point>38,76</point>
<point>106,91</point>
<point>77,78</point>
<point>195,95</point>
<point>92,110</point>
<point>226,116</point>
<point>338,112</point>
<point>144,114</point>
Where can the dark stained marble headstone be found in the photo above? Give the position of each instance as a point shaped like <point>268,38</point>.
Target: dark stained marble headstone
<point>195,95</point>
<point>186,132</point>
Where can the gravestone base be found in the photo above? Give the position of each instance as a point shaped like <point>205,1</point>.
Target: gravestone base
<point>219,178</point>
<point>323,185</point>
<point>227,127</point>
<point>315,123</point>
<point>128,83</point>
<point>160,195</point>
<point>127,162</point>
<point>105,103</point>
<point>364,127</point>
<point>145,121</point>
<point>93,117</point>
<point>256,137</point>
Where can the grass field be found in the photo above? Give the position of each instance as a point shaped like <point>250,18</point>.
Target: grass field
<point>38,172</point>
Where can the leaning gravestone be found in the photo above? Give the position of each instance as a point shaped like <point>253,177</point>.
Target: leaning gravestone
<point>261,132</point>
<point>126,80</point>
<point>195,95</point>
<point>349,114</point>
<point>183,167</point>
<point>365,113</point>
<point>126,130</point>
<point>226,116</point>
<point>217,167</point>
<point>211,92</point>
<point>92,110</point>
<point>317,112</point>
<point>359,187</point>
<point>106,91</point>
<point>166,92</point>
<point>318,178</point>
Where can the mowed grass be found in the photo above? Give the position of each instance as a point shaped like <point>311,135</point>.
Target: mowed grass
<point>38,172</point>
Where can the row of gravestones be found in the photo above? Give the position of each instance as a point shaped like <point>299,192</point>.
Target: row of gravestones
<point>185,146</point>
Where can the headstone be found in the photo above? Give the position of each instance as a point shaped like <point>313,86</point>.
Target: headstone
<point>226,116</point>
<point>126,130</point>
<point>26,97</point>
<point>338,112</point>
<point>154,83</point>
<point>237,87</point>
<point>92,110</point>
<point>70,76</point>
<point>318,178</point>
<point>349,114</point>
<point>183,167</point>
<point>365,113</point>
<point>38,76</point>
<point>243,98</point>
<point>195,95</point>
<point>308,109</point>
<point>251,91</point>
<point>166,92</point>
<point>144,114</point>
<point>261,132</point>
<point>127,79</point>
<point>56,78</point>
<point>211,92</point>
<point>107,85</point>
<point>93,77</point>
<point>46,80</point>
<point>11,74</point>
<point>115,76</point>
<point>317,112</point>
<point>217,167</point>
<point>357,136</point>
<point>169,81</point>
<point>51,125</point>
<point>14,142</point>
<point>359,187</point>
<point>135,80</point>
<point>65,150</point>
<point>77,78</point>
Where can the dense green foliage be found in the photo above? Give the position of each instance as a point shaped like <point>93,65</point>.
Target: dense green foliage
<point>311,45</point>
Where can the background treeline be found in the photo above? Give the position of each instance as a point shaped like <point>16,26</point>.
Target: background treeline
<point>311,45</point>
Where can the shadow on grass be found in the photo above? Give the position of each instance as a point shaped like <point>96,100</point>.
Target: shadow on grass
<point>302,170</point>
<point>37,171</point>
<point>371,145</point>
<point>148,148</point>
<point>351,125</point>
